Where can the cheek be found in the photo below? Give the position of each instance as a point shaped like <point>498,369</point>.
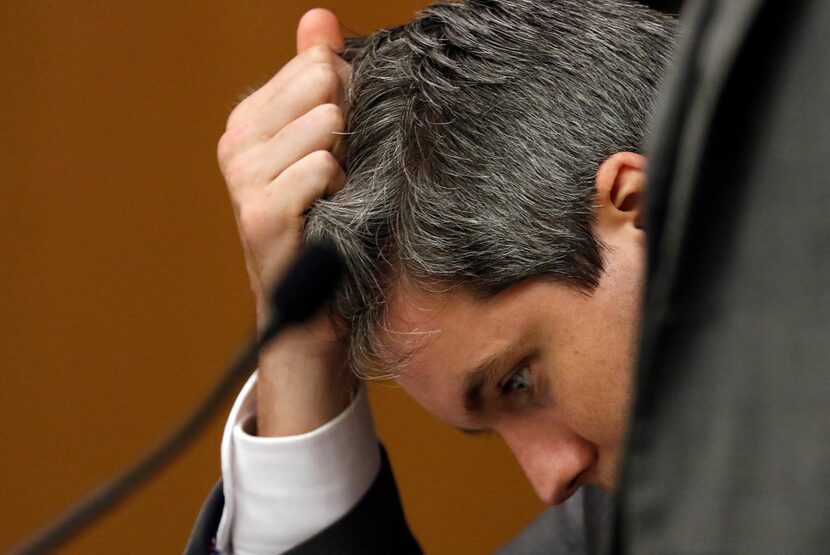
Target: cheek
<point>591,385</point>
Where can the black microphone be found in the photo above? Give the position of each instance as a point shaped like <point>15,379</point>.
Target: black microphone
<point>306,287</point>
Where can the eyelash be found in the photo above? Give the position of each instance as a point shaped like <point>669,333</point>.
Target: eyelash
<point>506,388</point>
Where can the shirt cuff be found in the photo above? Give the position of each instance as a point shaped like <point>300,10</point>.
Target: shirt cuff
<point>281,491</point>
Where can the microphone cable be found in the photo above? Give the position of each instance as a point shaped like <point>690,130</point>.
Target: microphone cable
<point>303,291</point>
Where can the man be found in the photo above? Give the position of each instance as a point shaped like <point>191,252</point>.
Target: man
<point>490,216</point>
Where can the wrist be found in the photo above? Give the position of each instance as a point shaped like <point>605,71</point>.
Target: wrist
<point>301,385</point>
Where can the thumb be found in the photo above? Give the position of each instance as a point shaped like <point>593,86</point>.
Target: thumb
<point>319,26</point>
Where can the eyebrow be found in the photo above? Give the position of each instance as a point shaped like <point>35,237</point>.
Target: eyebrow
<point>477,378</point>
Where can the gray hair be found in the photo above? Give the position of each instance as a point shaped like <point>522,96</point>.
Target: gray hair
<point>474,135</point>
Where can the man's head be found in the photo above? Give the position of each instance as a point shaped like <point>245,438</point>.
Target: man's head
<point>491,220</point>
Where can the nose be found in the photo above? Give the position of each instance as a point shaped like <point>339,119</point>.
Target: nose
<point>552,458</point>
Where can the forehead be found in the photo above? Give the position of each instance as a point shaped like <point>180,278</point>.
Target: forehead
<point>447,333</point>
<point>421,322</point>
<point>424,323</point>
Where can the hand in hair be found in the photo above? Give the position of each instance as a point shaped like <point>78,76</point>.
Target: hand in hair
<point>279,154</point>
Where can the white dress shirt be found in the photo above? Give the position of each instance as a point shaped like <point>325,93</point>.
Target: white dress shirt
<point>280,491</point>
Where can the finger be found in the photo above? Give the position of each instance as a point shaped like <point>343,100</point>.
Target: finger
<point>319,26</point>
<point>318,85</point>
<point>303,183</point>
<point>319,129</point>
<point>320,55</point>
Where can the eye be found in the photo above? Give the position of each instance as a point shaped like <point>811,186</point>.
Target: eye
<point>517,383</point>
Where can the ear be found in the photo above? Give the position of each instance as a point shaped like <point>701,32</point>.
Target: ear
<point>620,184</point>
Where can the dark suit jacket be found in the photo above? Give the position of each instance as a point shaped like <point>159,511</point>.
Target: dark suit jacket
<point>730,444</point>
<point>376,525</point>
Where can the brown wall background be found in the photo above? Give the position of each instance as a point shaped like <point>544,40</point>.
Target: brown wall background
<point>123,285</point>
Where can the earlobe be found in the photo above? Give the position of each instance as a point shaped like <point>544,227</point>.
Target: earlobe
<point>620,184</point>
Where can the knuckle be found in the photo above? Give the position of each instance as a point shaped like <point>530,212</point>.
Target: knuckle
<point>235,117</point>
<point>323,161</point>
<point>228,145</point>
<point>332,117</point>
<point>320,54</point>
<point>323,80</point>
